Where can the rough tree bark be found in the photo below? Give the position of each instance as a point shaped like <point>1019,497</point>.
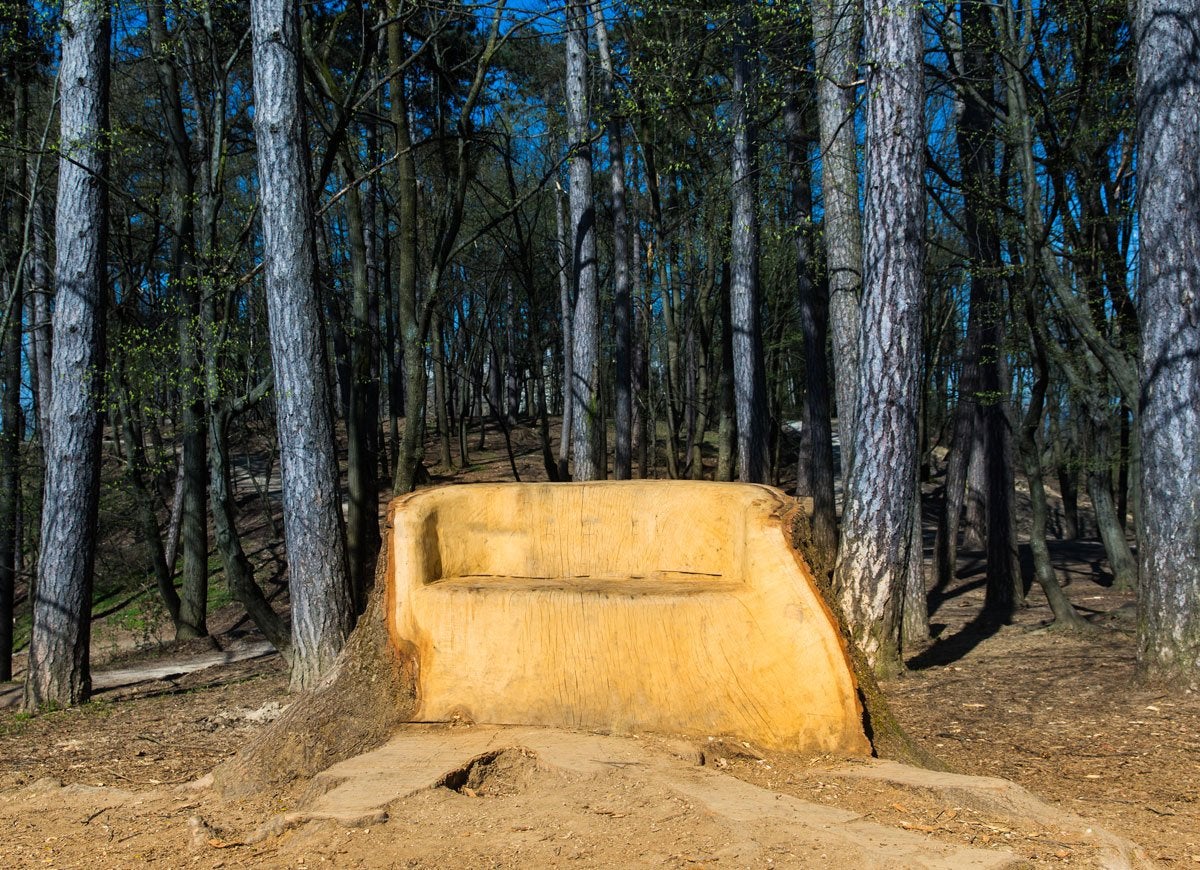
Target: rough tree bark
<point>837,28</point>
<point>1168,104</point>
<point>877,525</point>
<point>749,368</point>
<point>58,652</point>
<point>322,607</point>
<point>586,416</point>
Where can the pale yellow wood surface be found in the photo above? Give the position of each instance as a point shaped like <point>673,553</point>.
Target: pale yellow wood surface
<point>670,606</point>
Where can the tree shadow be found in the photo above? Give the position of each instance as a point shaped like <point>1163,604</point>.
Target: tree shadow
<point>943,651</point>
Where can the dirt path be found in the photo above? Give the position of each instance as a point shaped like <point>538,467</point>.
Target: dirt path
<point>520,797</point>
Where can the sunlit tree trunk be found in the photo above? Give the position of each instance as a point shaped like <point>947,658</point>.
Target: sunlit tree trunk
<point>873,562</point>
<point>837,27</point>
<point>586,415</point>
<point>58,651</point>
<point>749,370</point>
<point>322,607</point>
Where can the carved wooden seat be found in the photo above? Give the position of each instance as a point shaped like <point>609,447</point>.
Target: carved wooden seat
<point>666,606</point>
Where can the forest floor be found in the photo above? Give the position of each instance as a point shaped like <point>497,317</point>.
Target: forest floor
<point>1060,714</point>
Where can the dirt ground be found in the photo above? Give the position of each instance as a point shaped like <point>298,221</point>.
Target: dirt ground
<point>108,784</point>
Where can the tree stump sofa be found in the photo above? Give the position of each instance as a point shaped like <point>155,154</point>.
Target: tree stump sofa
<point>663,606</point>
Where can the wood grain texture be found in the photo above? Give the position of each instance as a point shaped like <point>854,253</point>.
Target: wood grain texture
<point>670,606</point>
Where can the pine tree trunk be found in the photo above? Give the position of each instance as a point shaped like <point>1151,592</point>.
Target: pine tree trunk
<point>749,373</point>
<point>322,606</point>
<point>1168,102</point>
<point>837,27</point>
<point>58,652</point>
<point>586,416</point>
<point>873,562</point>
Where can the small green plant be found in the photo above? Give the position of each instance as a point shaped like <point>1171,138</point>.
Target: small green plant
<point>144,617</point>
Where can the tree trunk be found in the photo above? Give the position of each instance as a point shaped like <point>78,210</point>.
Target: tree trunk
<point>622,299</point>
<point>439,390</point>
<point>412,444</point>
<point>322,604</point>
<point>990,468</point>
<point>877,534</point>
<point>40,287</point>
<point>239,573</point>
<point>914,619</point>
<point>1168,102</point>
<point>586,415</point>
<point>362,453</point>
<point>10,478</point>
<point>568,338</point>
<point>10,391</point>
<point>975,499</point>
<point>1068,484</point>
<point>749,374</point>
<point>58,672</point>
<point>193,604</point>
<point>136,469</point>
<point>816,478</point>
<point>727,422</point>
<point>837,27</point>
<point>640,380</point>
<point>1099,487</point>
<point>1031,456</point>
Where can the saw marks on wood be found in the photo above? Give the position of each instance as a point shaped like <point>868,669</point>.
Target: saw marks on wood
<point>671,606</point>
